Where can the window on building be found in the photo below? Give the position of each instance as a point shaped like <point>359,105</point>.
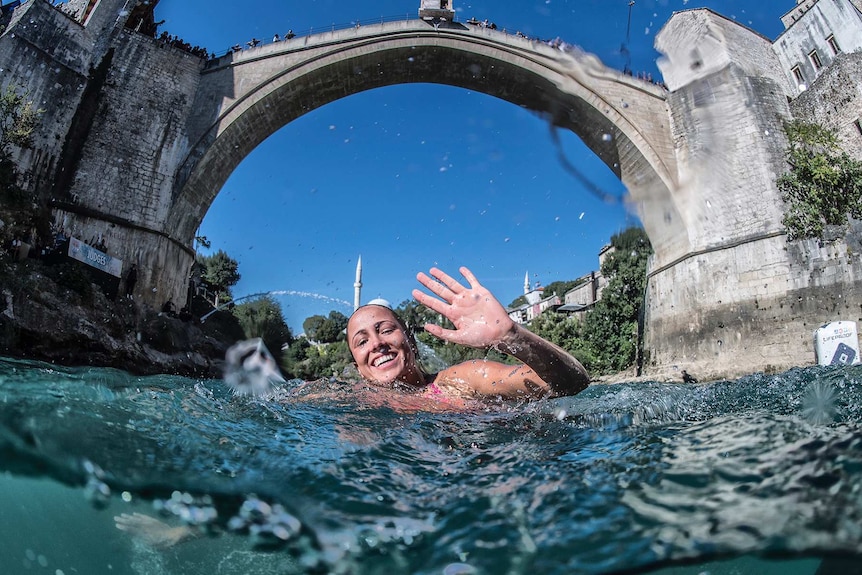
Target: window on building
<point>815,59</point>
<point>797,73</point>
<point>833,43</point>
<point>858,124</point>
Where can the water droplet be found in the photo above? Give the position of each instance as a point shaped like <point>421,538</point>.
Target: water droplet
<point>458,569</point>
<point>607,137</point>
<point>506,240</point>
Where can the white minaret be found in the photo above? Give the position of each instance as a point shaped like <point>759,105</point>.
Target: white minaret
<point>527,288</point>
<point>357,285</point>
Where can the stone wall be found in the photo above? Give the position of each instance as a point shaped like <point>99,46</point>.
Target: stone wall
<point>698,43</point>
<point>112,132</point>
<point>752,308</point>
<point>123,188</point>
<point>728,129</point>
<point>744,299</point>
<point>47,56</point>
<point>835,101</point>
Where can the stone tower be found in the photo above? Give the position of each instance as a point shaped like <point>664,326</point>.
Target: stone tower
<point>100,16</point>
<point>357,285</point>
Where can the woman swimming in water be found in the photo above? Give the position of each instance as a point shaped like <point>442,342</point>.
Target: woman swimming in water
<point>385,354</point>
<point>385,351</point>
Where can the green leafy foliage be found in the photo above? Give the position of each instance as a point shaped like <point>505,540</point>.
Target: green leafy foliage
<point>220,272</point>
<point>305,360</point>
<point>567,332</point>
<point>823,185</point>
<point>559,288</point>
<point>263,318</point>
<point>18,121</point>
<point>518,301</point>
<point>606,339</point>
<point>325,329</point>
<point>611,327</point>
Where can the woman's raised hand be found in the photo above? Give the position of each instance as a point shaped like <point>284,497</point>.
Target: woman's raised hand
<point>480,320</point>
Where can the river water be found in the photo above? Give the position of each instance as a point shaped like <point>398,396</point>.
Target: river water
<point>761,475</point>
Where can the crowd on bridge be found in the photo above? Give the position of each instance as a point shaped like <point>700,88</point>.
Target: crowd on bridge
<point>560,44</point>
<point>166,39</point>
<point>557,43</point>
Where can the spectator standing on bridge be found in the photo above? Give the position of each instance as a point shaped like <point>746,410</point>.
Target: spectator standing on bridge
<point>131,280</point>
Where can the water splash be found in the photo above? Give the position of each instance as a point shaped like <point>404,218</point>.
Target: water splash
<point>818,404</point>
<point>234,301</point>
<point>313,295</point>
<point>250,369</point>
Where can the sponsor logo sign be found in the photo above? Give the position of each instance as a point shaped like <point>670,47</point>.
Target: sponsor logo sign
<point>82,252</point>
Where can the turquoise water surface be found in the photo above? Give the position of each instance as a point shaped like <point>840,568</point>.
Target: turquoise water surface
<point>757,476</point>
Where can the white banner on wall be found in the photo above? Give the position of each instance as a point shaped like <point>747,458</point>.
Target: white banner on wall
<point>82,252</point>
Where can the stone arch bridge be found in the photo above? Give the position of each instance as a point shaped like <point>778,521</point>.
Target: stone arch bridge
<point>245,97</point>
<point>138,138</point>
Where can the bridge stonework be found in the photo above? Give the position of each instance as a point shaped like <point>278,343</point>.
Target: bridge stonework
<point>138,138</point>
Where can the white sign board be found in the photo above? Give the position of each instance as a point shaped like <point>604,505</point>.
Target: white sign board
<point>82,252</point>
<point>836,343</point>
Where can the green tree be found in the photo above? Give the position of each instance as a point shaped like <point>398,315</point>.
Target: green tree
<point>611,327</point>
<point>220,272</point>
<point>559,288</point>
<point>311,325</point>
<point>263,318</point>
<point>518,301</point>
<point>567,332</point>
<point>416,315</point>
<point>325,329</point>
<point>18,122</point>
<point>306,361</point>
<point>18,119</point>
<point>823,185</point>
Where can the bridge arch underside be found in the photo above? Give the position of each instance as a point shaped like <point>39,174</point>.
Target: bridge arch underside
<point>291,94</point>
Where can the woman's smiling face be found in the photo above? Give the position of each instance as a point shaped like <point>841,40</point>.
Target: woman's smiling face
<point>380,346</point>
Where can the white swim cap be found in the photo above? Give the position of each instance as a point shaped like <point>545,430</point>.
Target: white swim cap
<point>381,302</point>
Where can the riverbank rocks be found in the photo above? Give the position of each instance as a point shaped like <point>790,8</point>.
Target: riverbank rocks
<point>72,323</point>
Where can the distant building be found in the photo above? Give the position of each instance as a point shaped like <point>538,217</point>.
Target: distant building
<point>575,301</point>
<point>436,10</point>
<point>535,305</point>
<point>589,289</point>
<point>816,32</point>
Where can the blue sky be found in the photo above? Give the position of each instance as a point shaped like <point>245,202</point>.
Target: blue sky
<point>416,176</point>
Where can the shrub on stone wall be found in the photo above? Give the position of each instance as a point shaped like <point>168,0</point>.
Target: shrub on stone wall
<point>18,121</point>
<point>824,184</point>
